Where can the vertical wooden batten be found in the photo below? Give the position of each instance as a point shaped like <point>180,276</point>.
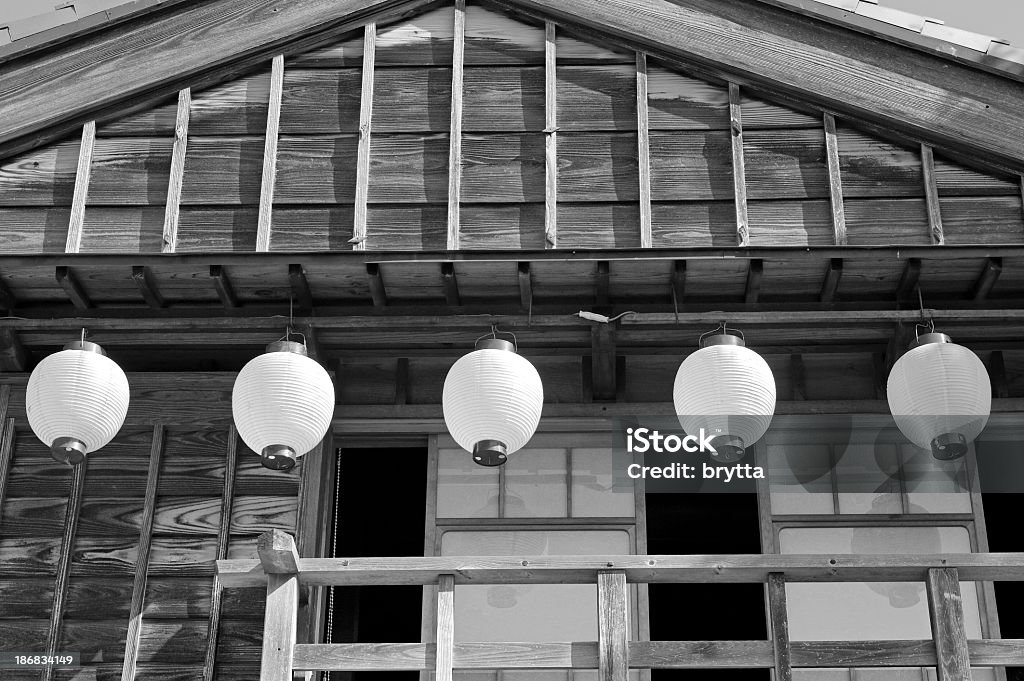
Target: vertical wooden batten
<point>445,638</point>
<point>132,639</point>
<point>643,151</point>
<point>365,130</point>
<point>780,626</point>
<point>223,537</point>
<point>931,196</point>
<point>550,137</point>
<point>67,546</point>
<point>270,156</point>
<point>455,134</point>
<point>738,172</point>
<point>946,609</point>
<point>81,194</point>
<point>173,207</point>
<point>6,450</point>
<point>612,626</point>
<point>835,181</point>
<point>280,561</point>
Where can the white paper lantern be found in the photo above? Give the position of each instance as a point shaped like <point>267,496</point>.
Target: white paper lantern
<point>940,395</point>
<point>727,390</point>
<point>76,401</point>
<point>492,401</point>
<point>282,403</point>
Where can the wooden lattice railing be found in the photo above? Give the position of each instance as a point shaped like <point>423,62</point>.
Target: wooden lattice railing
<point>281,571</point>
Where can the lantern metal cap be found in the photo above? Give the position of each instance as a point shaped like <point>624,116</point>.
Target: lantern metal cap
<point>722,339</point>
<point>495,344</point>
<point>949,446</point>
<point>278,457</point>
<point>490,453</point>
<point>85,346</point>
<point>287,346</point>
<point>729,448</point>
<point>68,450</point>
<point>926,338</point>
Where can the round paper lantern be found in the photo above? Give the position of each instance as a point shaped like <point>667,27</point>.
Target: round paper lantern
<point>727,390</point>
<point>76,401</point>
<point>282,403</point>
<point>940,395</point>
<point>492,401</point>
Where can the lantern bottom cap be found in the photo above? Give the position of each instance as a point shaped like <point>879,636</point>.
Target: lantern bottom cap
<point>68,450</point>
<point>728,448</point>
<point>278,457</point>
<point>490,453</point>
<point>949,446</point>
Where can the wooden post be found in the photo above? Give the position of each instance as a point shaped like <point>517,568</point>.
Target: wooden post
<point>270,155</point>
<point>931,195</point>
<point>173,206</point>
<point>835,181</point>
<point>74,242</point>
<point>738,172</point>
<point>280,561</point>
<point>223,537</point>
<point>455,135</point>
<point>445,638</point>
<point>947,615</point>
<point>643,151</point>
<point>551,138</point>
<point>780,626</point>
<point>612,626</point>
<point>365,128</point>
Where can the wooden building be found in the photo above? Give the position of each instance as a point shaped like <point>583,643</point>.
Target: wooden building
<point>398,176</point>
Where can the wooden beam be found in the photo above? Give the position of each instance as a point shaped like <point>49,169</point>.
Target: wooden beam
<point>72,287</point>
<point>931,196</point>
<point>280,627</point>
<point>450,285</point>
<point>225,291</point>
<point>780,626</point>
<point>945,607</point>
<point>278,555</point>
<point>313,531</point>
<point>987,279</point>
<point>301,292</point>
<point>830,285</point>
<point>755,271</point>
<point>612,626</point>
<point>997,372</point>
<point>525,286</point>
<point>223,538</point>
<point>67,550</point>
<point>74,242</point>
<point>148,287</point>
<point>13,357</point>
<point>797,376</point>
<point>172,209</point>
<point>908,280</point>
<point>643,151</point>
<point>133,637</point>
<point>444,639</point>
<point>602,284</point>
<point>358,240</point>
<point>455,134</point>
<point>550,137</point>
<point>603,362</point>
<point>269,180</point>
<point>377,291</point>
<point>835,182</point>
<point>739,180</point>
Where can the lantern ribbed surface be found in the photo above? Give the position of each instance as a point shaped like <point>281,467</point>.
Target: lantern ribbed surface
<point>77,394</point>
<point>726,390</point>
<point>492,395</point>
<point>939,388</point>
<point>282,398</point>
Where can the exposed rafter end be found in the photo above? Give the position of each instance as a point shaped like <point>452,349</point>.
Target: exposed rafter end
<point>450,285</point>
<point>908,280</point>
<point>8,301</point>
<point>604,363</point>
<point>987,279</point>
<point>525,286</point>
<point>830,285</point>
<point>754,275</point>
<point>73,288</point>
<point>376,280</point>
<point>678,282</point>
<point>602,284</point>
<point>13,356</point>
<point>148,287</point>
<point>300,287</point>
<point>222,284</point>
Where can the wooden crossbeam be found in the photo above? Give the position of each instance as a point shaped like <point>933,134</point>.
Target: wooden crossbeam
<point>269,178</point>
<point>301,291</point>
<point>376,280</point>
<point>603,361</point>
<point>444,639</point>
<point>13,356</point>
<point>67,550</point>
<point>450,284</point>
<point>931,196</point>
<point>835,181</point>
<point>739,178</point>
<point>525,286</point>
<point>143,278</point>
<point>612,626</point>
<point>643,151</point>
<point>551,137</point>
<point>455,132</point>
<point>945,606</point>
<point>223,537</point>
<point>987,279</point>
<point>908,279</point>
<point>74,242</point>
<point>780,626</point>
<point>365,131</point>
<point>830,285</point>
<point>172,209</point>
<point>755,272</point>
<point>72,287</point>
<point>222,284</point>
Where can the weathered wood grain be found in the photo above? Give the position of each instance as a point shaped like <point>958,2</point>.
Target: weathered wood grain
<point>931,195</point>
<point>738,171</point>
<point>762,114</point>
<point>455,132</point>
<point>956,179</point>
<point>612,626</point>
<point>67,543</point>
<point>690,166</point>
<point>444,637</point>
<point>835,181</point>
<point>99,598</point>
<point>503,168</point>
<point>148,288</point>
<point>886,221</point>
<point>873,167</point>
<point>409,169</point>
<point>319,101</point>
<point>679,102</point>
<point>41,177</point>
<point>223,171</point>
<point>644,150</point>
<point>977,220</point>
<point>497,99</point>
<point>131,171</point>
<point>598,225</point>
<point>223,540</point>
<point>597,98</point>
<point>181,120</point>
<point>551,136</point>
<point>279,628</point>
<point>785,164</point>
<point>6,448</point>
<point>81,187</point>
<point>947,619</point>
<point>365,131</point>
<point>597,167</point>
<point>269,179</point>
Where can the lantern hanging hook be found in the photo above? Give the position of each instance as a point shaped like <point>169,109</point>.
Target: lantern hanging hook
<point>84,334</point>
<point>721,329</point>
<point>495,332</point>
<point>927,322</point>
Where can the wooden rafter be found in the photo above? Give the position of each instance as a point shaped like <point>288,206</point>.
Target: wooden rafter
<point>222,284</point>
<point>378,293</point>
<point>172,210</point>
<point>302,294</point>
<point>525,286</point>
<point>74,242</point>
<point>143,278</point>
<point>830,284</point>
<point>678,282</point>
<point>551,137</point>
<point>738,172</point>
<point>73,288</point>
<point>835,181</point>
<point>908,279</point>
<point>365,130</point>
<point>450,284</point>
<point>643,151</point>
<point>755,272</point>
<point>455,132</point>
<point>223,538</point>
<point>60,589</point>
<point>269,179</point>
<point>988,278</point>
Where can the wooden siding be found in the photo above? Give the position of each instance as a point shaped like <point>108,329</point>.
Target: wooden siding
<point>503,187</point>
